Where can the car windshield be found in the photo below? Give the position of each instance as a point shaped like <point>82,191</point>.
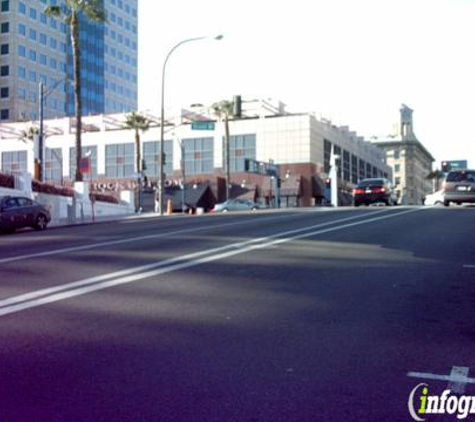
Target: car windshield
<point>461,176</point>
<point>371,182</point>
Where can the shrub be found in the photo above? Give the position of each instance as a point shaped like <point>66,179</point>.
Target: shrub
<point>103,197</point>
<point>6,180</point>
<point>51,189</point>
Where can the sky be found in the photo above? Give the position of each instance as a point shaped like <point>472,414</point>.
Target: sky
<point>352,61</point>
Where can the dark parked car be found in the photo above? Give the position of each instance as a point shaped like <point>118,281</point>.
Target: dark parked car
<point>459,187</point>
<point>373,191</point>
<point>17,212</point>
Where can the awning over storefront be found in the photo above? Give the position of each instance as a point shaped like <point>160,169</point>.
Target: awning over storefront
<point>196,196</point>
<point>318,187</point>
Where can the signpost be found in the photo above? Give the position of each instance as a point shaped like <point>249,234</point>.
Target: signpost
<point>448,165</point>
<point>202,125</point>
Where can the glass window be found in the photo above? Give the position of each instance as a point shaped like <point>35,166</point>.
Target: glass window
<point>4,92</point>
<point>21,50</point>
<point>4,70</point>
<point>4,49</point>
<point>14,161</point>
<point>151,156</point>
<point>32,76</point>
<point>22,93</point>
<point>43,19</point>
<point>21,72</point>
<point>32,55</point>
<point>43,38</point>
<point>33,13</point>
<point>198,155</point>
<point>240,148</point>
<point>53,63</point>
<point>5,5</point>
<point>43,59</point>
<point>22,8</point>
<point>53,164</point>
<point>22,29</point>
<point>120,160</point>
<point>5,114</point>
<point>32,34</point>
<point>5,27</point>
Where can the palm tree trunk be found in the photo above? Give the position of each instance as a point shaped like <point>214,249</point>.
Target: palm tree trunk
<point>77,91</point>
<point>138,154</point>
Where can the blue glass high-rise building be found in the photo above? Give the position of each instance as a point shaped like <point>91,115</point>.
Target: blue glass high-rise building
<point>35,48</point>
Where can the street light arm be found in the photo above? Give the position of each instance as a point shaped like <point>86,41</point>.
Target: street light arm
<point>162,117</point>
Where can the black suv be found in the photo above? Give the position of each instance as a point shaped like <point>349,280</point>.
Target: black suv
<point>459,187</point>
<point>17,212</point>
<point>373,191</point>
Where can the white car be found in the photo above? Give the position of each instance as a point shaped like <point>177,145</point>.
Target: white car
<point>435,198</point>
<point>236,205</point>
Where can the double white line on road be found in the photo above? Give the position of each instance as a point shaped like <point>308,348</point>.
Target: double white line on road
<point>88,285</point>
<point>129,240</point>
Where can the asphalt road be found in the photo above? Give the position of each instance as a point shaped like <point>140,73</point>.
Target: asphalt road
<point>303,315</point>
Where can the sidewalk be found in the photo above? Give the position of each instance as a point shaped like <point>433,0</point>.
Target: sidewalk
<point>87,220</point>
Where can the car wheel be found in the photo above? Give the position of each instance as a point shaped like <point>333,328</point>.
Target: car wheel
<point>446,203</point>
<point>41,222</point>
<point>224,210</point>
<point>253,208</point>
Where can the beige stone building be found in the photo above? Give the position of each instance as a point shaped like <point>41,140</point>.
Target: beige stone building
<point>410,161</point>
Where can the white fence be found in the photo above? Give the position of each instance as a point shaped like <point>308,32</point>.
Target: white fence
<point>62,207</point>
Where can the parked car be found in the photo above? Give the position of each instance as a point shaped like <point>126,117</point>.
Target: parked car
<point>435,198</point>
<point>373,191</point>
<point>17,212</point>
<point>459,187</point>
<point>236,205</point>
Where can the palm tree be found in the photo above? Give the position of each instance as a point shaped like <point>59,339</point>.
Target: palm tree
<point>224,110</point>
<point>70,12</point>
<point>29,134</point>
<point>138,123</point>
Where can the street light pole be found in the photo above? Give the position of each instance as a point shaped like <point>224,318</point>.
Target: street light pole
<point>161,182</point>
<point>41,136</point>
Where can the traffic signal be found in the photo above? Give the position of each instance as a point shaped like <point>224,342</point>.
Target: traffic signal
<point>445,166</point>
<point>237,106</point>
<point>328,182</point>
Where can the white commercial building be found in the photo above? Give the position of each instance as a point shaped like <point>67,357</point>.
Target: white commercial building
<point>299,145</point>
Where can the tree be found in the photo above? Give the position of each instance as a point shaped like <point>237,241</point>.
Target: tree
<point>435,176</point>
<point>224,110</point>
<point>70,12</point>
<point>29,134</point>
<point>138,123</point>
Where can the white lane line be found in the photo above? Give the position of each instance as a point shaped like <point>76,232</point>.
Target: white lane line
<point>469,266</point>
<point>19,303</point>
<point>170,261</point>
<point>131,239</point>
<point>140,238</point>
<point>457,380</point>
